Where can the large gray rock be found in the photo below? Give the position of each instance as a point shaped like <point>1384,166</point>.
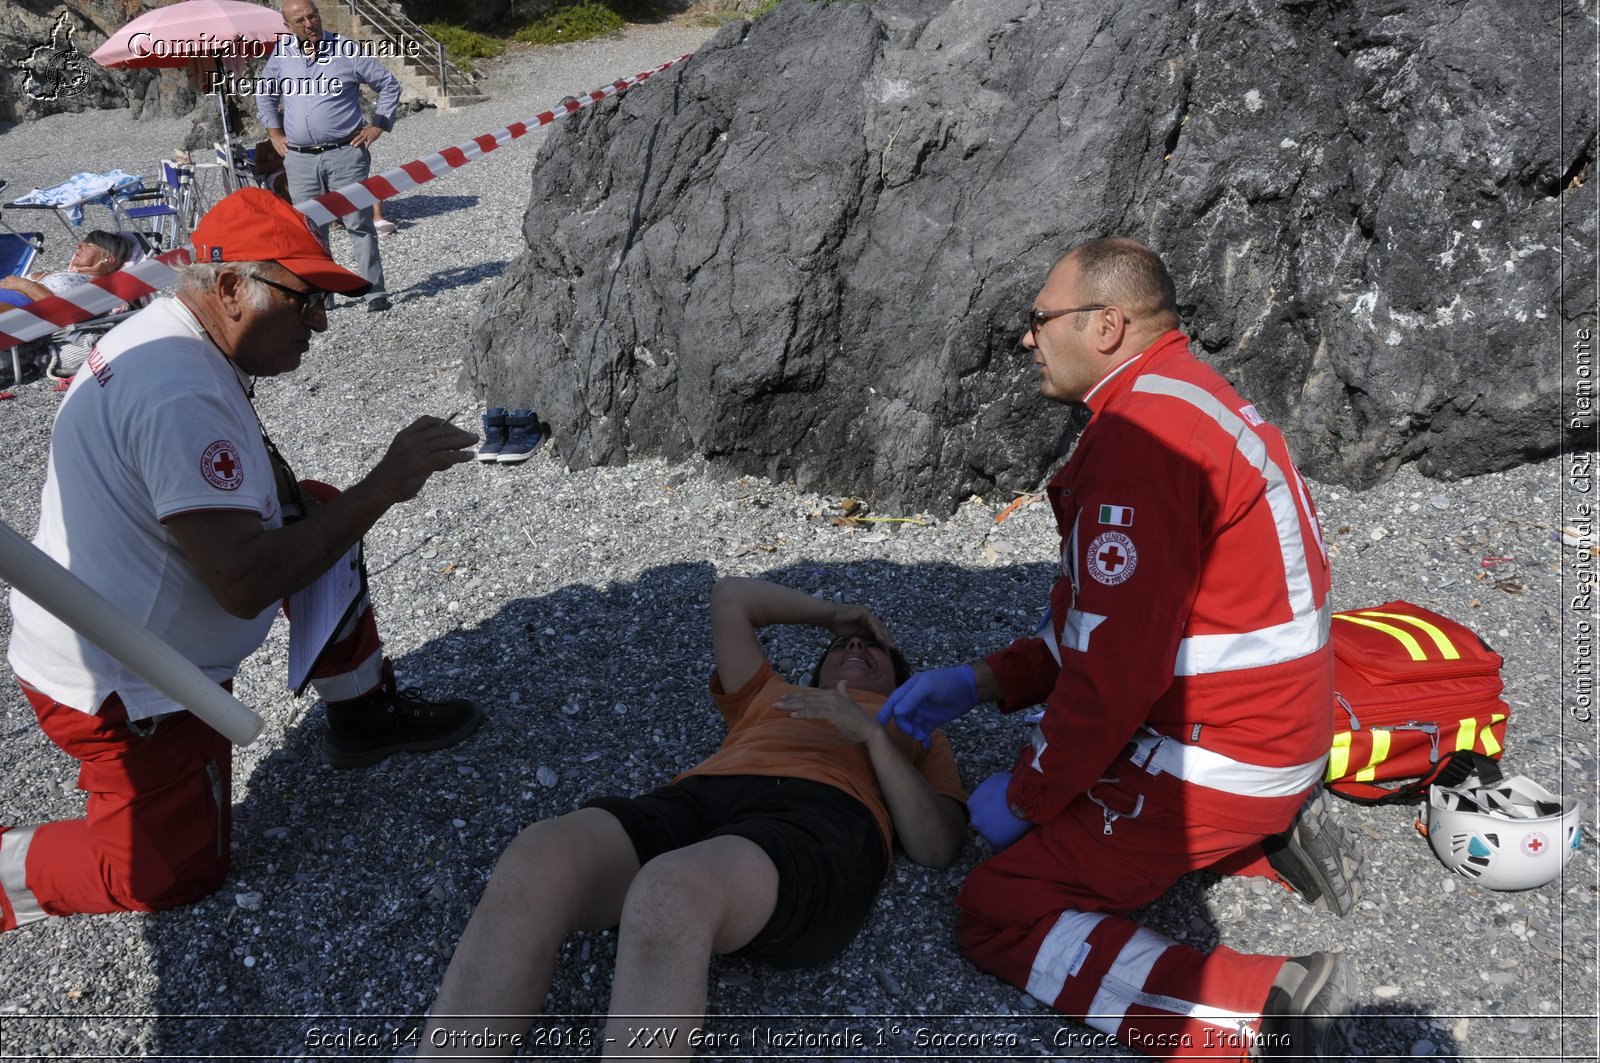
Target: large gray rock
<point>45,66</point>
<point>809,251</point>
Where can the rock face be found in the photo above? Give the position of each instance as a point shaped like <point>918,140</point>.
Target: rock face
<point>809,250</point>
<point>45,66</point>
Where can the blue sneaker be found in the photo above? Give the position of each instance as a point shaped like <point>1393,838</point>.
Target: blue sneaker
<point>522,436</point>
<point>494,434</point>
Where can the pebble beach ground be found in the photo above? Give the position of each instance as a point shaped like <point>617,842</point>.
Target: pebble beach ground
<point>573,605</point>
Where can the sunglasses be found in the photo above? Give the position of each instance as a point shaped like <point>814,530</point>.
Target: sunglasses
<point>310,302</point>
<point>1038,318</point>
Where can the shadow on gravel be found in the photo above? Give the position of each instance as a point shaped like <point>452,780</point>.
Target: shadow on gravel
<point>414,206</point>
<point>456,277</point>
<point>349,889</point>
<point>1400,1030</point>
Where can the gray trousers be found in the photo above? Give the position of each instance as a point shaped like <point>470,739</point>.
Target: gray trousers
<point>312,175</point>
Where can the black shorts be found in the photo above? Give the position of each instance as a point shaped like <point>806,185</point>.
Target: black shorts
<point>824,843</point>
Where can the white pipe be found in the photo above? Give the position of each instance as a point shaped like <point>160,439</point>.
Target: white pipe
<point>38,576</point>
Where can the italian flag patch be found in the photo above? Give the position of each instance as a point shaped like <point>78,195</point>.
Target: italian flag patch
<point>1117,516</point>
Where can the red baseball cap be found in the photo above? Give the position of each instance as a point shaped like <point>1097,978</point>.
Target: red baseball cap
<point>253,225</point>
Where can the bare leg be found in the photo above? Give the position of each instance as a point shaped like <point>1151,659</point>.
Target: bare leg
<point>682,907</point>
<point>557,876</point>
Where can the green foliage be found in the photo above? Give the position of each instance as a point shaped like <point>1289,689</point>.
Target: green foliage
<point>464,45</point>
<point>566,20</point>
<point>762,8</point>
<point>572,20</point>
<point>584,19</point>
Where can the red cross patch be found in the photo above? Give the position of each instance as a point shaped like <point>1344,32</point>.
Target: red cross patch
<point>1535,844</point>
<point>221,467</point>
<point>1111,558</point>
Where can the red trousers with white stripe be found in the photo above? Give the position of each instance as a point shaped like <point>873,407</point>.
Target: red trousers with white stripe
<point>1046,915</point>
<point>156,828</point>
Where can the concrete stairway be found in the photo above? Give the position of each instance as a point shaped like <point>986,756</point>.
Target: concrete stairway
<point>406,50</point>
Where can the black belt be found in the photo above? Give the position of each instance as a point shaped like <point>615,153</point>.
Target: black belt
<point>318,149</point>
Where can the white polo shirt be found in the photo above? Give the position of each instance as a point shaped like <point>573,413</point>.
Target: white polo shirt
<point>157,423</point>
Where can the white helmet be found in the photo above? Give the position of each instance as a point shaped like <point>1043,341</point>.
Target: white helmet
<point>1510,834</point>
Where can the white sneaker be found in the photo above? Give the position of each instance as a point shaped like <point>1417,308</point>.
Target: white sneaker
<point>385,226</point>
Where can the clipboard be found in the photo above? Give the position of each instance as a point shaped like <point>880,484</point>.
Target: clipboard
<point>318,612</point>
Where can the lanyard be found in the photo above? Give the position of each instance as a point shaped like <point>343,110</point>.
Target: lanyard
<point>290,499</point>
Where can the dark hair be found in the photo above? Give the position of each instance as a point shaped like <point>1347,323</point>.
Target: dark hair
<point>119,247</point>
<point>1116,271</point>
<point>902,667</point>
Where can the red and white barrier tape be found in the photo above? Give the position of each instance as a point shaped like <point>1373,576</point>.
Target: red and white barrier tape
<point>100,296</point>
<point>325,208</point>
<point>103,294</point>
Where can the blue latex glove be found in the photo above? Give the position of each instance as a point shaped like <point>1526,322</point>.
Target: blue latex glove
<point>991,812</point>
<point>929,700</point>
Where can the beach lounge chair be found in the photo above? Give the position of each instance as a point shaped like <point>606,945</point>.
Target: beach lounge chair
<point>17,252</point>
<point>223,174</point>
<point>67,200</point>
<point>169,208</point>
<point>63,351</point>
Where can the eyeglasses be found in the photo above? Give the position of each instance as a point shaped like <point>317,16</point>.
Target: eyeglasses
<point>1038,318</point>
<point>311,302</point>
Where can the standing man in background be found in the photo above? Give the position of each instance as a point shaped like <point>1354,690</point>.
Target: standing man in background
<point>318,127</point>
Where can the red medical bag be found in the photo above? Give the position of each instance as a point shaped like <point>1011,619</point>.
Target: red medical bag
<point>1412,688</point>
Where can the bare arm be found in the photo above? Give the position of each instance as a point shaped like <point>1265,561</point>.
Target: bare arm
<point>269,108</point>
<point>988,685</point>
<point>740,607</point>
<point>32,289</point>
<point>248,568</point>
<point>930,826</point>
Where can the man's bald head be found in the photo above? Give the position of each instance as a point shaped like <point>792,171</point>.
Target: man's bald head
<point>303,19</point>
<point>1115,271</point>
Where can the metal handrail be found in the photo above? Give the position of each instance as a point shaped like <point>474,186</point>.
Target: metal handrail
<point>402,29</point>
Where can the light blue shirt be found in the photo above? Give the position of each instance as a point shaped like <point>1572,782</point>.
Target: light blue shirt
<point>320,97</point>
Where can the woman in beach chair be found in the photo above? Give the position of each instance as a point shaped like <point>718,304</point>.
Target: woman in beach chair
<point>99,254</point>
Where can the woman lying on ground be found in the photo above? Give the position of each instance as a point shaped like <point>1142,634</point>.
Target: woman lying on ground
<point>773,848</point>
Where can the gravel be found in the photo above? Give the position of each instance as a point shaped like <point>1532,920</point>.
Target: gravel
<point>573,605</point>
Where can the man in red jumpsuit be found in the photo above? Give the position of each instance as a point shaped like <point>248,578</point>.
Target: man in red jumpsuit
<point>1187,680</point>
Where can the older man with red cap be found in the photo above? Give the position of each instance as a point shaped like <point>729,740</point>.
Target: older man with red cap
<point>165,494</point>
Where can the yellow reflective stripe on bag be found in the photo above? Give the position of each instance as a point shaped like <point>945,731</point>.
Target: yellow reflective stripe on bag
<point>1338,756</point>
<point>1447,649</point>
<point>1491,745</point>
<point>1413,647</point>
<point>1380,753</point>
<point>1374,619</point>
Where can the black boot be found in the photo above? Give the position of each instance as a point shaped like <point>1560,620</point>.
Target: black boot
<point>364,730</point>
<point>1318,858</point>
<point>1305,1011</point>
